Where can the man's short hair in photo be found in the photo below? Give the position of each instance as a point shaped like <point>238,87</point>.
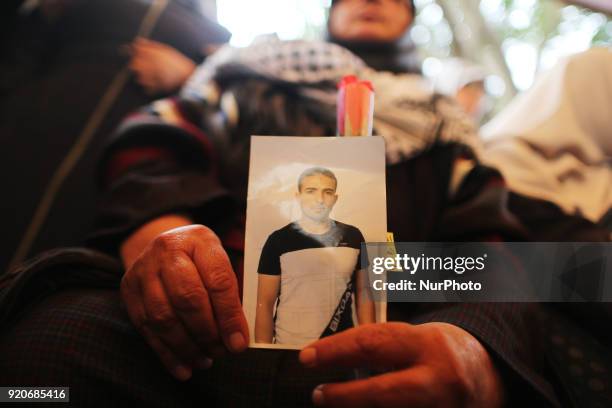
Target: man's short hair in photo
<point>313,171</point>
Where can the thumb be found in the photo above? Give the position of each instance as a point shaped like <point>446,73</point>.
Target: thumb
<point>380,345</point>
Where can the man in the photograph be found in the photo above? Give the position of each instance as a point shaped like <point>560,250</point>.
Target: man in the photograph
<point>309,270</point>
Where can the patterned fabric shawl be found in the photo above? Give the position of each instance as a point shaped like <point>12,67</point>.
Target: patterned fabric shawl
<point>407,113</point>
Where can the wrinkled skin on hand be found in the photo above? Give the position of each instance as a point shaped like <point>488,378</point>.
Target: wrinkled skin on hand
<point>427,365</point>
<point>182,296</point>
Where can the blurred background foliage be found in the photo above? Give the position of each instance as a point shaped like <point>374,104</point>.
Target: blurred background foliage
<point>512,40</point>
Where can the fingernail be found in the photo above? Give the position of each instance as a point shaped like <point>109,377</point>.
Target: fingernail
<point>317,396</point>
<point>308,356</point>
<point>204,363</point>
<point>237,342</point>
<point>182,373</point>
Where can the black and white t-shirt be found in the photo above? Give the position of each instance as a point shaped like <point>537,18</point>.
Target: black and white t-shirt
<point>315,270</point>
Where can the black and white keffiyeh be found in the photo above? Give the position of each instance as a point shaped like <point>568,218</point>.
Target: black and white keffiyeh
<point>407,113</point>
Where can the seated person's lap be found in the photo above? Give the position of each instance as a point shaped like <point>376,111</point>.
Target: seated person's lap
<point>83,339</point>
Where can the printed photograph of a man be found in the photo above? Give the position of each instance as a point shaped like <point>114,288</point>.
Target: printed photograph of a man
<point>308,271</point>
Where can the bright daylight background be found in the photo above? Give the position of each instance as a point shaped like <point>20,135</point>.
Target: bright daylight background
<point>512,39</point>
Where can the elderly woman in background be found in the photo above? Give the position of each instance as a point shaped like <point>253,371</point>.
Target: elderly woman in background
<point>378,35</point>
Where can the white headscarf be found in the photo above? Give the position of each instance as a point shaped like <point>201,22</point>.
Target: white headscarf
<point>554,141</point>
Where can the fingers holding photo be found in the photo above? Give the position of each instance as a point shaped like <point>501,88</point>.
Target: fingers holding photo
<point>182,296</point>
<point>432,364</point>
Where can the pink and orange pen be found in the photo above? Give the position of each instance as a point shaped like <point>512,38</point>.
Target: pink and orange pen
<point>355,112</point>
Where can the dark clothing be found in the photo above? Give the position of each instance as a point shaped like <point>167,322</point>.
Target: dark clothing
<point>53,77</point>
<point>317,274</point>
<point>184,180</point>
<point>397,57</point>
<point>191,163</point>
<point>197,166</point>
<point>84,340</point>
<point>292,238</point>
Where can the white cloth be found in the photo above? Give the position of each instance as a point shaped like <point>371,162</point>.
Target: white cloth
<point>322,273</point>
<point>457,73</point>
<point>554,142</point>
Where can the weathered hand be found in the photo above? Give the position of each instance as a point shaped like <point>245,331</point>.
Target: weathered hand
<point>182,295</point>
<point>158,67</point>
<point>428,365</point>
